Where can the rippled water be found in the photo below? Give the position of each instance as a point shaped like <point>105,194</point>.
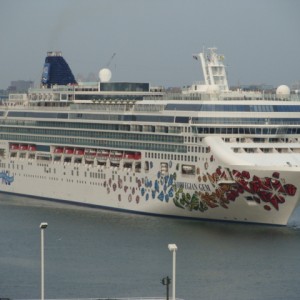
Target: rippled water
<point>95,253</point>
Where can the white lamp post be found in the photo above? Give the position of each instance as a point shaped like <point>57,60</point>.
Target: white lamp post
<point>43,226</point>
<point>173,248</point>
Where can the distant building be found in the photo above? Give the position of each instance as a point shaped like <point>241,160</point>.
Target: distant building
<point>20,86</point>
<point>3,95</point>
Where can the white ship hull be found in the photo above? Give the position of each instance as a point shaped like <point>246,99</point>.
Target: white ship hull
<point>205,153</point>
<point>213,190</point>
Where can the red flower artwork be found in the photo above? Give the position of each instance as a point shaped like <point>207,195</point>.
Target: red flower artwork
<point>270,190</point>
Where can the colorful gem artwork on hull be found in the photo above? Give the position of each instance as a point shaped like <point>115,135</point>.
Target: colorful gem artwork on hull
<point>267,191</point>
<point>5,178</point>
<point>217,189</point>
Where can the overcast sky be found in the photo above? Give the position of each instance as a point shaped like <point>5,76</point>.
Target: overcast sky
<point>153,39</point>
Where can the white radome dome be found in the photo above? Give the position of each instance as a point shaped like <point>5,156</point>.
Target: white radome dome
<point>105,75</point>
<point>283,90</point>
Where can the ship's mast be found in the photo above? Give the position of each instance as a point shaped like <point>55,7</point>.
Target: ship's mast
<point>213,68</point>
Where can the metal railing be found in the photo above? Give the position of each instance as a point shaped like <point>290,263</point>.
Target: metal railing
<point>105,298</point>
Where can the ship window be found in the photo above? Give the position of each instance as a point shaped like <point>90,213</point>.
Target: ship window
<point>188,170</point>
<point>265,130</point>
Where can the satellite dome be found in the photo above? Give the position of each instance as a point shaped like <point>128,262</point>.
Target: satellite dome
<point>283,90</point>
<point>104,75</point>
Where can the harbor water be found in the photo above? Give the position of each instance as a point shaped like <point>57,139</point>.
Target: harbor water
<point>91,253</point>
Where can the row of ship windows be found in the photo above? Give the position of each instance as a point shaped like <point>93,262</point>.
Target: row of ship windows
<point>171,156</point>
<point>174,107</point>
<point>233,107</point>
<point>181,157</point>
<point>156,137</point>
<point>12,166</point>
<point>100,117</point>
<point>95,134</point>
<point>79,125</point>
<point>246,130</point>
<point>96,143</point>
<point>57,179</point>
<point>166,129</point>
<point>250,121</point>
<point>62,179</point>
<point>185,170</point>
<point>142,128</point>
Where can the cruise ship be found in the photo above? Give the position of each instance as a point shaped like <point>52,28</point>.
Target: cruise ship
<point>206,153</point>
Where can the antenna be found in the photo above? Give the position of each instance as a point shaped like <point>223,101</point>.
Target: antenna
<point>110,60</point>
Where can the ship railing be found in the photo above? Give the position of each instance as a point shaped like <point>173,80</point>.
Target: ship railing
<point>240,121</point>
<point>101,107</point>
<point>235,95</point>
<point>149,107</point>
<point>73,107</point>
<point>106,298</point>
<point>40,108</point>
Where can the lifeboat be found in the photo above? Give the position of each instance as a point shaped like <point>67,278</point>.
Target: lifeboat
<point>90,152</point>
<point>23,147</point>
<point>116,155</point>
<point>69,151</point>
<point>129,155</point>
<point>58,150</point>
<point>137,155</point>
<point>89,158</point>
<point>133,155</point>
<point>32,148</point>
<point>103,155</point>
<point>79,151</point>
<point>14,146</point>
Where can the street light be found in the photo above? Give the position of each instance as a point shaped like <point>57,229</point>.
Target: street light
<point>173,248</point>
<point>43,226</point>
